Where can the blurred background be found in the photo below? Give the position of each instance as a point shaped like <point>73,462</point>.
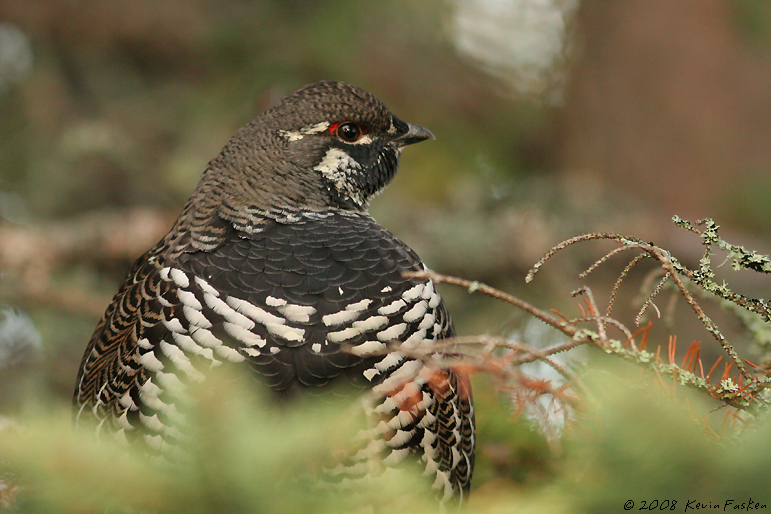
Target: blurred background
<point>552,118</point>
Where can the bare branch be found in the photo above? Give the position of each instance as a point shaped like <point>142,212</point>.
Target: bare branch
<point>573,240</point>
<point>473,286</point>
<point>620,279</point>
<point>649,301</point>
<point>604,258</point>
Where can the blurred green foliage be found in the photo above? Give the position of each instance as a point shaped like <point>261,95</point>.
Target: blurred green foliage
<point>639,444</point>
<point>753,17</point>
<point>246,455</point>
<point>630,442</point>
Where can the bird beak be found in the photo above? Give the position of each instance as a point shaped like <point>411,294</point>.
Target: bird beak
<point>414,134</point>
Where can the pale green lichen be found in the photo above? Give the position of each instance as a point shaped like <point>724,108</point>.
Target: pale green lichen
<point>729,385</point>
<point>740,257</point>
<point>645,357</point>
<point>757,328</point>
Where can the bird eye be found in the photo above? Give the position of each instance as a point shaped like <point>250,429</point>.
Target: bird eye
<point>348,131</point>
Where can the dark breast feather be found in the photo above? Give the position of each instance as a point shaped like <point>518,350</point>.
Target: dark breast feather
<point>327,264</point>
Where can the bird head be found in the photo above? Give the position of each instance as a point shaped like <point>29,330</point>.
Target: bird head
<point>329,144</point>
<point>346,138</point>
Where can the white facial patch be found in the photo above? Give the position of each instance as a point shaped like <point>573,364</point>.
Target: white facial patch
<point>336,166</point>
<point>294,135</point>
<point>364,140</point>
